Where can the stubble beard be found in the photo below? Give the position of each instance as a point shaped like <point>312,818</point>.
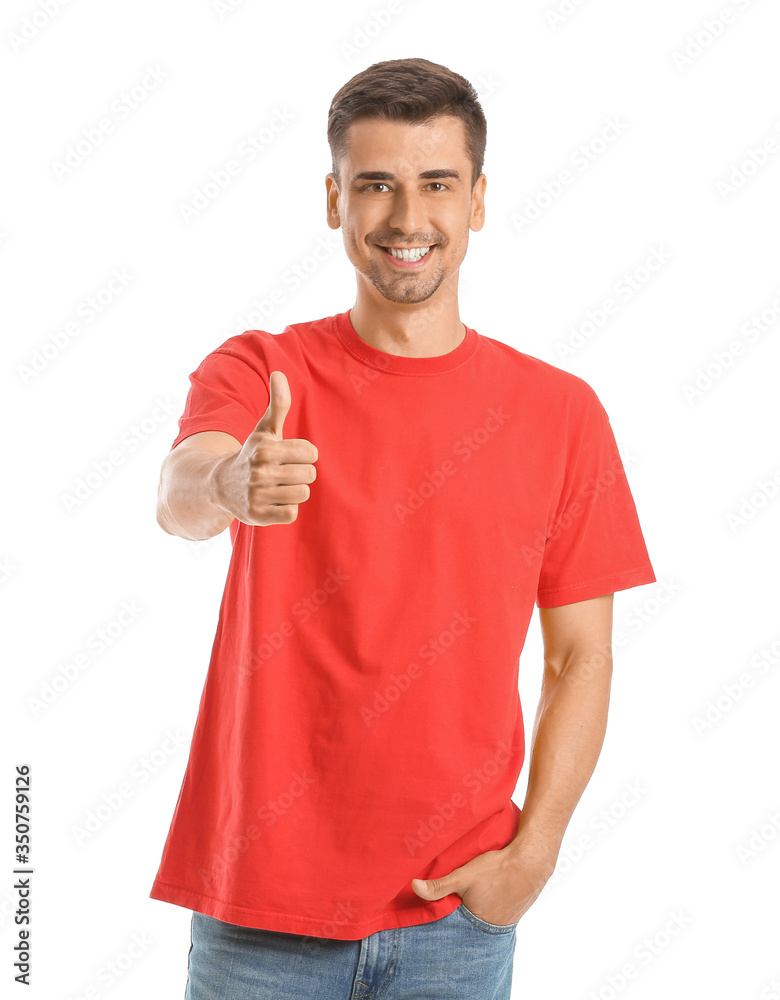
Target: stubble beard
<point>406,288</point>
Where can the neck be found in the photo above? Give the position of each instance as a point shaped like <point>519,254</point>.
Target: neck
<point>410,329</point>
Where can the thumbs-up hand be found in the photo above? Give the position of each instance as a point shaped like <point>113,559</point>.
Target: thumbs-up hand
<point>266,481</point>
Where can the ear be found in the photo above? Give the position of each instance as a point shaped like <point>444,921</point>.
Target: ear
<point>332,202</point>
<point>477,215</point>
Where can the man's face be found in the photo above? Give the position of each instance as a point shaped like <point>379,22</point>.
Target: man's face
<point>406,186</point>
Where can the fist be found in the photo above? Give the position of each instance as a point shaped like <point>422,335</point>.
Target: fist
<point>266,481</point>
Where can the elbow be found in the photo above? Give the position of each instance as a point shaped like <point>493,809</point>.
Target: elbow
<point>163,513</point>
<point>162,522</point>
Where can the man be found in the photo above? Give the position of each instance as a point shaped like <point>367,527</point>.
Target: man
<point>400,490</point>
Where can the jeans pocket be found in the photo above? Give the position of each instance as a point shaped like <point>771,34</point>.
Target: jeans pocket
<point>485,925</point>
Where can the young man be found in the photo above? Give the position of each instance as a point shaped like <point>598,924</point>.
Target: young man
<point>400,490</point>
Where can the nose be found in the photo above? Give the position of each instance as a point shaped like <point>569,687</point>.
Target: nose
<point>407,212</point>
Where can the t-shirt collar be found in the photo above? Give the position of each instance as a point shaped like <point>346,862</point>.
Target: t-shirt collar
<point>400,364</point>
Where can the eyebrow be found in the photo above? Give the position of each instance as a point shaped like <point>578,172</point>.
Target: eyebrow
<point>385,175</point>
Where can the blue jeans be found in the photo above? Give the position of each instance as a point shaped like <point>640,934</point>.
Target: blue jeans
<point>457,957</point>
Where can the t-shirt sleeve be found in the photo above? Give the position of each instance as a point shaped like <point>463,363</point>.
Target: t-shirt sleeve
<point>228,392</point>
<point>594,544</point>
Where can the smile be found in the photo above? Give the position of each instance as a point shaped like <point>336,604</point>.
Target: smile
<point>403,257</point>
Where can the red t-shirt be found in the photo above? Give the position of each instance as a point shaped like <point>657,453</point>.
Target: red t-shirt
<point>360,723</point>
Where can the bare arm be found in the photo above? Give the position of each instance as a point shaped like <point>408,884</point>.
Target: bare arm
<point>210,478</point>
<point>571,719</point>
<point>188,497</point>
<point>499,886</point>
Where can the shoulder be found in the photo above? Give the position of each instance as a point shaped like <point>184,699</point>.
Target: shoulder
<point>257,346</point>
<point>555,386</point>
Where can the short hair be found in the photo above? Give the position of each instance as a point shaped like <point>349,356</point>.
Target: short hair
<point>410,90</point>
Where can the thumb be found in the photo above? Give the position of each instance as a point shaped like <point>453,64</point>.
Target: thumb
<point>278,405</point>
<point>436,888</point>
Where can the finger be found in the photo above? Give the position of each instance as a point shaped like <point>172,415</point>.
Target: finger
<point>279,403</point>
<point>298,451</point>
<point>292,474</point>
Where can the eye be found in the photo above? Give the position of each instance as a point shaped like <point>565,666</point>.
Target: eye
<point>376,184</point>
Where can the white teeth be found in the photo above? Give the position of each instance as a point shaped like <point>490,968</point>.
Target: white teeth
<point>416,253</point>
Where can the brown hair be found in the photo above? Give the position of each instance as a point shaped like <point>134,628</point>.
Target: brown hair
<point>410,90</point>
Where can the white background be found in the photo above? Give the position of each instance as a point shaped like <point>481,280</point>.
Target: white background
<point>700,836</point>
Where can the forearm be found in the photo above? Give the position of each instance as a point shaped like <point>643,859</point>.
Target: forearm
<point>188,495</point>
<point>568,734</point>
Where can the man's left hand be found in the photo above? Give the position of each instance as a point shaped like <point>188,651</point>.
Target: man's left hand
<point>498,886</point>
